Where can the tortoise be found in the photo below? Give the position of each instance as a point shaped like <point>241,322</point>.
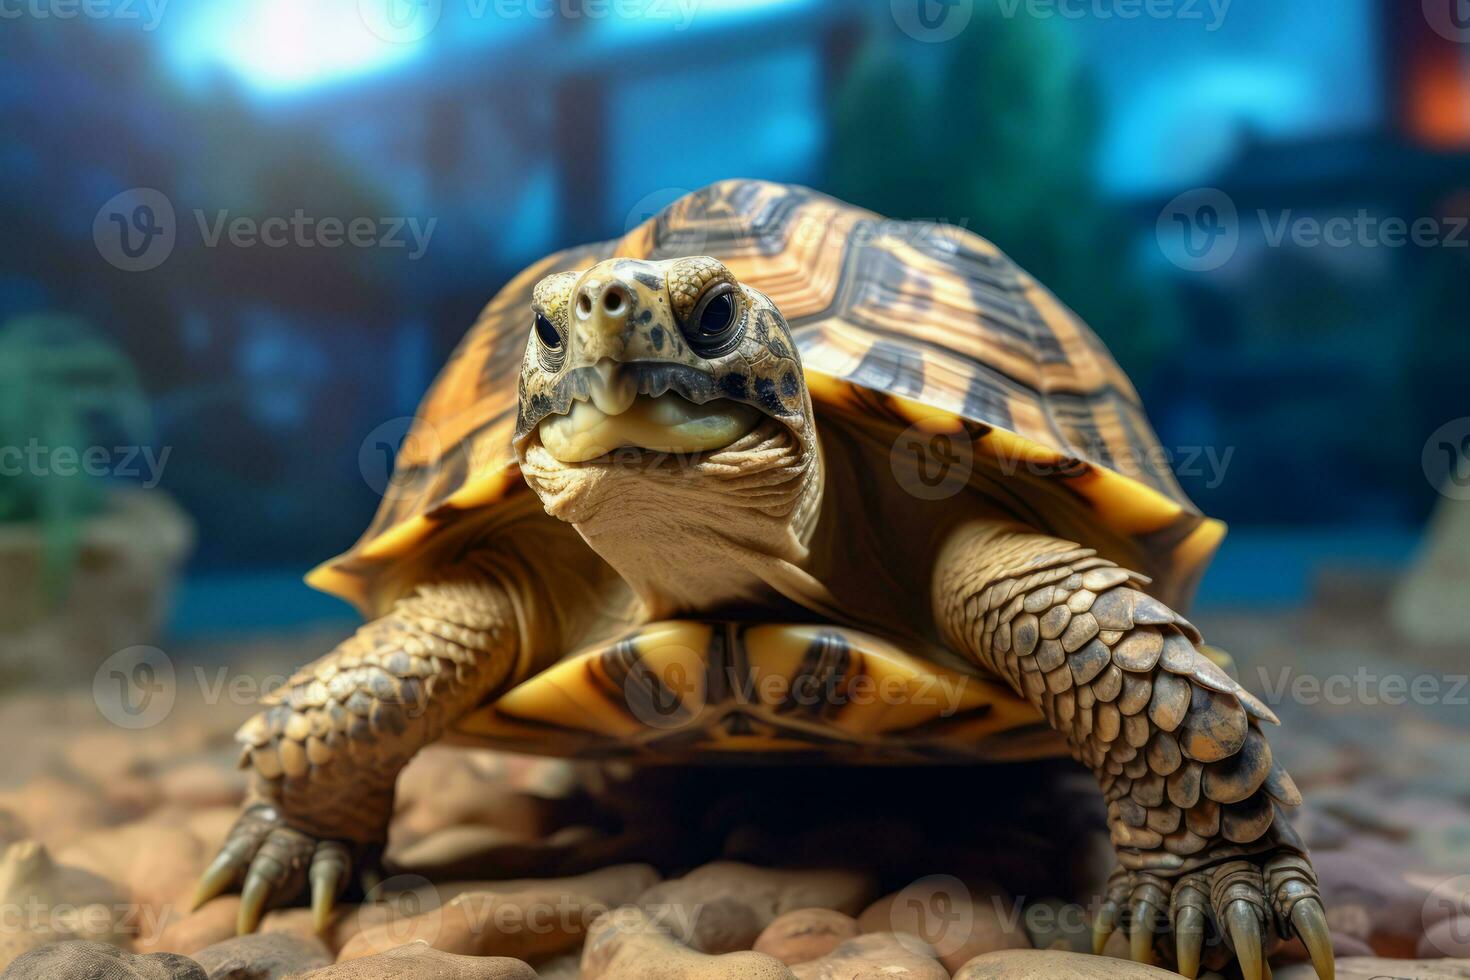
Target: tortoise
<point>770,476</point>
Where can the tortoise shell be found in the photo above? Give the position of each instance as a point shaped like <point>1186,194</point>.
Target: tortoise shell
<point>904,324</point>
<point>720,692</point>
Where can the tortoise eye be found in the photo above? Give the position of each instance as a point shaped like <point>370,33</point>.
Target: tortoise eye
<point>546,333</point>
<point>712,327</point>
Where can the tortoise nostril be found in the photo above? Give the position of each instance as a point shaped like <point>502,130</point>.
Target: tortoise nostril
<point>614,300</point>
<point>584,305</point>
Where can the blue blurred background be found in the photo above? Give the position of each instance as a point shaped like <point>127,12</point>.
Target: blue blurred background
<point>1160,164</point>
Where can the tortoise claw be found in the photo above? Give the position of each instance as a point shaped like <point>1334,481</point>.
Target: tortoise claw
<point>329,871</point>
<point>1111,911</point>
<point>1150,899</point>
<point>218,877</point>
<point>277,862</point>
<point>1141,938</point>
<point>1104,926</point>
<point>253,896</point>
<point>1310,921</point>
<point>1245,936</point>
<point>1189,939</point>
<point>233,858</point>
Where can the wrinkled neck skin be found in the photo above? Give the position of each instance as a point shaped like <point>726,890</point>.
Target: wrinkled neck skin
<point>696,534</point>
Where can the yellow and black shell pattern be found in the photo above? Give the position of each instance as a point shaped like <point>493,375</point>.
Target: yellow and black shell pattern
<point>898,323</point>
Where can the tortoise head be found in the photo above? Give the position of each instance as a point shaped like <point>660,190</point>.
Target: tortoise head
<point>664,413</point>
<point>674,357</point>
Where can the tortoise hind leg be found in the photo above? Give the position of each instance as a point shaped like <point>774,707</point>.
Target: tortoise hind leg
<point>1193,795</point>
<point>326,749</point>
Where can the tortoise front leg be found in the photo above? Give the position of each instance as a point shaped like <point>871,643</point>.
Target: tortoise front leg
<point>1192,792</point>
<point>326,749</point>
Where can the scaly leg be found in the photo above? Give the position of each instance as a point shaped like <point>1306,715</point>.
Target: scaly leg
<point>326,749</point>
<point>1192,792</point>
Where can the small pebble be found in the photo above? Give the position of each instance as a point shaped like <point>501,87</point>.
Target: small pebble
<point>805,934</point>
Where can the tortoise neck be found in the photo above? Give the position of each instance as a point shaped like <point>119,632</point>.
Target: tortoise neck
<point>724,530</point>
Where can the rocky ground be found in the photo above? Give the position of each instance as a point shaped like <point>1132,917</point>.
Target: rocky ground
<point>512,867</point>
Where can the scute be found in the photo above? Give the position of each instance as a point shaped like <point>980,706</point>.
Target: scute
<point>899,324</point>
<point>724,691</point>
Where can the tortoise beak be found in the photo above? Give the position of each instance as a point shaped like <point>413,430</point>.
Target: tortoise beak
<point>611,387</point>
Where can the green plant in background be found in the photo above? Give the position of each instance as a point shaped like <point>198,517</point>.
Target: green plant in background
<point>63,389</point>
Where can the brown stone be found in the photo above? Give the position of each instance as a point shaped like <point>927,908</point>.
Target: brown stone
<point>46,901</point>
<point>626,944</point>
<point>201,784</point>
<point>958,921</point>
<point>1378,968</point>
<point>158,860</point>
<point>419,961</point>
<point>262,956</point>
<point>79,958</point>
<point>212,923</point>
<point>525,925</point>
<point>1036,964</point>
<point>805,934</point>
<point>876,956</point>
<point>723,907</point>
<point>1447,937</point>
